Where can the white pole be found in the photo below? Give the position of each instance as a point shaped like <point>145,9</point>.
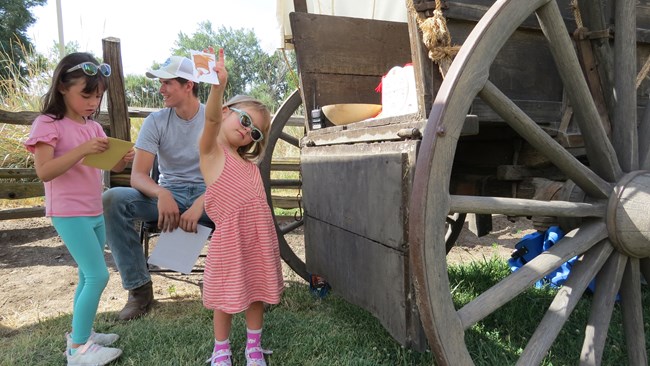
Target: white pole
<point>59,19</point>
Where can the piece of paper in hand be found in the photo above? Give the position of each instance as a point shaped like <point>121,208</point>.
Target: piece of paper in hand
<point>203,67</point>
<point>106,160</point>
<point>179,250</point>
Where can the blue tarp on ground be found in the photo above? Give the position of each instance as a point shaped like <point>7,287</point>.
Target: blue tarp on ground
<point>531,245</point>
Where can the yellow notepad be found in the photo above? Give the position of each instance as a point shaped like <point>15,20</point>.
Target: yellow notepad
<point>106,160</point>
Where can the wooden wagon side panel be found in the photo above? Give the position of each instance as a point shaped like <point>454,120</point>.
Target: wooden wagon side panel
<point>356,219</point>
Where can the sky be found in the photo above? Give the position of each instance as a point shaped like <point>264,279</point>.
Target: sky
<point>148,29</point>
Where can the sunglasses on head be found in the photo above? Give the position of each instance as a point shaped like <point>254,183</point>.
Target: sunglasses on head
<point>91,69</point>
<point>246,121</point>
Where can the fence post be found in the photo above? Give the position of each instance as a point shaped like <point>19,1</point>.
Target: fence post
<point>118,111</point>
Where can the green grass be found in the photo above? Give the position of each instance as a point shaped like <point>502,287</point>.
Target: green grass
<point>305,330</point>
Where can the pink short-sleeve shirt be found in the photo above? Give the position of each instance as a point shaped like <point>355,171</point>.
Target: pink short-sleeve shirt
<point>78,191</point>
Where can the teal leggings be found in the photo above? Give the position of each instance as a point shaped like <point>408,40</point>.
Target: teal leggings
<point>85,237</point>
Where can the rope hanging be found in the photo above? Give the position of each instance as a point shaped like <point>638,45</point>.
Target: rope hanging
<point>436,37</point>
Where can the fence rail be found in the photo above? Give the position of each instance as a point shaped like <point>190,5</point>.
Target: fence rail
<point>23,183</point>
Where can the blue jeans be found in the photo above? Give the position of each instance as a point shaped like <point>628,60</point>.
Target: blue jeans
<point>123,207</point>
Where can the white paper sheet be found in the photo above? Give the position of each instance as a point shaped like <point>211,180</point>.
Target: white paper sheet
<point>179,250</point>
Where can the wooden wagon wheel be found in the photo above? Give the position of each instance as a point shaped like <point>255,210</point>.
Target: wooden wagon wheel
<point>612,238</point>
<point>286,110</point>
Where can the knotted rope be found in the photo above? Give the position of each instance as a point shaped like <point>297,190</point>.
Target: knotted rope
<point>436,37</point>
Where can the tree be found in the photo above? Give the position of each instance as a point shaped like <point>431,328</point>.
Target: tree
<point>15,46</point>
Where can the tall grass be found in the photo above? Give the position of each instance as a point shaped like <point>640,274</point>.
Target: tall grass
<point>20,93</point>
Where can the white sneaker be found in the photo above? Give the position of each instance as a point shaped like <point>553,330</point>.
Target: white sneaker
<point>102,339</point>
<point>91,354</point>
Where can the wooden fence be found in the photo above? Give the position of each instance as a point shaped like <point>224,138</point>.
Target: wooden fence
<point>23,183</point>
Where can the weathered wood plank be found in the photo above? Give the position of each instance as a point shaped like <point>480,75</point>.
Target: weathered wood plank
<point>22,213</point>
<point>20,190</point>
<point>286,202</point>
<point>341,184</point>
<point>361,270</point>
<point>341,59</point>
<point>117,107</point>
<point>17,173</point>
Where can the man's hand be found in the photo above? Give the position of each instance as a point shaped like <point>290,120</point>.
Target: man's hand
<point>168,212</point>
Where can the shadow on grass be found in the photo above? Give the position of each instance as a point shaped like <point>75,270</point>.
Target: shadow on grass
<point>305,330</point>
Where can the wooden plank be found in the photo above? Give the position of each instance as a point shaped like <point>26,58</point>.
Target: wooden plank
<point>342,45</point>
<point>342,183</point>
<point>22,213</point>
<point>285,164</point>
<point>117,107</point>
<point>367,274</point>
<point>18,173</point>
<point>14,190</point>
<point>341,59</point>
<point>286,202</point>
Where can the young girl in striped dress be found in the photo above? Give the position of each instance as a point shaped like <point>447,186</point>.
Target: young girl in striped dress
<point>243,269</point>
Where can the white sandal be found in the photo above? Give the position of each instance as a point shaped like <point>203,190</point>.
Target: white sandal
<point>218,354</point>
<point>256,361</point>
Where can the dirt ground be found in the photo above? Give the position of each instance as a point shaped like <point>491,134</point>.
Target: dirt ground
<point>38,276</point>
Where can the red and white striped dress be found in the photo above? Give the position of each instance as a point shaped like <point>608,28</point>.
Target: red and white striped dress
<point>243,262</point>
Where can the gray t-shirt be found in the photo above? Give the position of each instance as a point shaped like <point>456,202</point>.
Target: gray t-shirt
<point>176,142</point>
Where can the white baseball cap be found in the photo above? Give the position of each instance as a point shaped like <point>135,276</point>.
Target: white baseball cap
<point>174,67</point>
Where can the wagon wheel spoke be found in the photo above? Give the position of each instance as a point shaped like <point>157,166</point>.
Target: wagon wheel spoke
<point>524,207</point>
<point>624,136</point>
<point>589,181</point>
<point>278,133</point>
<point>600,152</point>
<point>609,281</point>
<point>564,303</point>
<point>633,314</point>
<point>290,139</point>
<point>574,243</point>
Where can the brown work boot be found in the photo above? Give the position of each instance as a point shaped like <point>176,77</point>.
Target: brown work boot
<point>139,302</point>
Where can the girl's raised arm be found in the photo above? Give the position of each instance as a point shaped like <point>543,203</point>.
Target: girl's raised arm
<point>213,108</point>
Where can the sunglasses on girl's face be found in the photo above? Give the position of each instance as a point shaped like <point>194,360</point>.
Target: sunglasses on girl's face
<point>91,69</point>
<point>246,121</point>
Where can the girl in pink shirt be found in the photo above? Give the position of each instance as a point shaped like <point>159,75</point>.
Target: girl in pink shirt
<point>60,138</point>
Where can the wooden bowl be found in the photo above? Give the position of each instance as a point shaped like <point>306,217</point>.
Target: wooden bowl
<point>342,114</point>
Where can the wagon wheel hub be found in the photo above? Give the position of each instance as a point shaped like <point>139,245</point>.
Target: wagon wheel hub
<point>628,221</point>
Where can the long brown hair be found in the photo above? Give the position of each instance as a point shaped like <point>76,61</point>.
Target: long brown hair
<point>52,102</point>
